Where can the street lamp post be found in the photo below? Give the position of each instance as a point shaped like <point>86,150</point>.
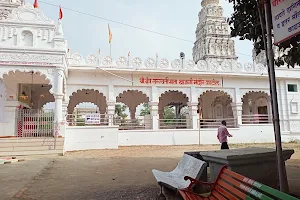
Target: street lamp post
<point>182,57</point>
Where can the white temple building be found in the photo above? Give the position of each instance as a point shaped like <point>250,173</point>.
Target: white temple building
<point>36,68</point>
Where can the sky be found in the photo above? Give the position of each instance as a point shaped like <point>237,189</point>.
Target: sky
<point>86,34</point>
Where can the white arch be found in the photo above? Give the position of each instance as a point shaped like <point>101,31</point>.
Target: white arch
<point>132,99</point>
<point>72,89</point>
<point>254,99</point>
<point>221,92</point>
<point>12,72</point>
<point>245,92</point>
<point>185,91</point>
<point>144,90</point>
<point>213,109</point>
<point>79,96</point>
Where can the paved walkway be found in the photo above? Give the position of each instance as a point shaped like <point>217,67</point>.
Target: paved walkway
<point>112,174</point>
<point>293,173</point>
<point>15,176</point>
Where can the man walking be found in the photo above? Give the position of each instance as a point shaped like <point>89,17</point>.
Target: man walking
<point>223,134</point>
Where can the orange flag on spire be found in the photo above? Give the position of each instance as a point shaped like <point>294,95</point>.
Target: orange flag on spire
<point>109,34</point>
<point>35,4</point>
<point>60,13</point>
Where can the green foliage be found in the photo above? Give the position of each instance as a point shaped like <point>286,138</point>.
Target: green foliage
<point>145,110</point>
<point>80,121</point>
<point>169,114</point>
<point>119,111</point>
<point>245,24</point>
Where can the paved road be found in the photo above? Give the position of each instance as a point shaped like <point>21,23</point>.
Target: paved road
<point>106,175</point>
<point>14,177</point>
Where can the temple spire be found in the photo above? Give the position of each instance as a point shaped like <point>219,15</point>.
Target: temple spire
<point>205,3</point>
<point>213,39</point>
<point>6,7</point>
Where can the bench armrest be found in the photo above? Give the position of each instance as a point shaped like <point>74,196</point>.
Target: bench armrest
<point>195,182</point>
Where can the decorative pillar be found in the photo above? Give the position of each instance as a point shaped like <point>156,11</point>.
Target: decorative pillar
<point>237,109</point>
<point>132,113</point>
<point>58,96</point>
<point>154,115</point>
<point>111,112</point>
<point>194,107</point>
<point>154,108</point>
<point>194,117</point>
<point>65,110</point>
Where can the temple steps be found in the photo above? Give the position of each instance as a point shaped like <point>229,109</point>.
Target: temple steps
<point>31,146</point>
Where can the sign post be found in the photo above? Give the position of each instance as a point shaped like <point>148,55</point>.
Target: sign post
<point>286,19</point>
<point>284,28</point>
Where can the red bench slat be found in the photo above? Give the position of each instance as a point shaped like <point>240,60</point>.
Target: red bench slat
<point>224,192</point>
<point>218,195</point>
<point>232,189</point>
<point>233,186</point>
<point>235,175</point>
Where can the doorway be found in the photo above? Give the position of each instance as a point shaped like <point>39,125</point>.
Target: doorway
<point>262,111</point>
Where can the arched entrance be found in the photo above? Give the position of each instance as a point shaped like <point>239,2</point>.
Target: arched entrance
<point>27,92</point>
<point>98,107</point>
<point>256,108</point>
<point>170,109</point>
<point>132,99</point>
<point>215,106</point>
<point>90,96</point>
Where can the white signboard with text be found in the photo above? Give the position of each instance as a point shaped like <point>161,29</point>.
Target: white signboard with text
<point>286,19</point>
<point>93,119</point>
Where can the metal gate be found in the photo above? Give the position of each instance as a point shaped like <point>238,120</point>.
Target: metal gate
<point>34,123</point>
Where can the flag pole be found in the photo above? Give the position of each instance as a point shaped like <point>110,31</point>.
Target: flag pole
<point>156,61</point>
<point>110,49</point>
<point>99,56</point>
<point>128,61</point>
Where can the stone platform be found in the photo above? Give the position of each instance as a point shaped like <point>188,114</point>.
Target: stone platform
<point>259,164</point>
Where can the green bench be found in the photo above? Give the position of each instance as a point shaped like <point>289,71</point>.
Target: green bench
<point>233,186</point>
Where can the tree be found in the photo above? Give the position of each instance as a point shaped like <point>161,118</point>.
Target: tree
<point>119,111</point>
<point>169,112</point>
<point>245,24</point>
<point>145,110</point>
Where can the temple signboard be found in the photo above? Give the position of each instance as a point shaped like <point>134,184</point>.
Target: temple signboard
<point>286,19</point>
<point>191,81</point>
<point>92,119</point>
